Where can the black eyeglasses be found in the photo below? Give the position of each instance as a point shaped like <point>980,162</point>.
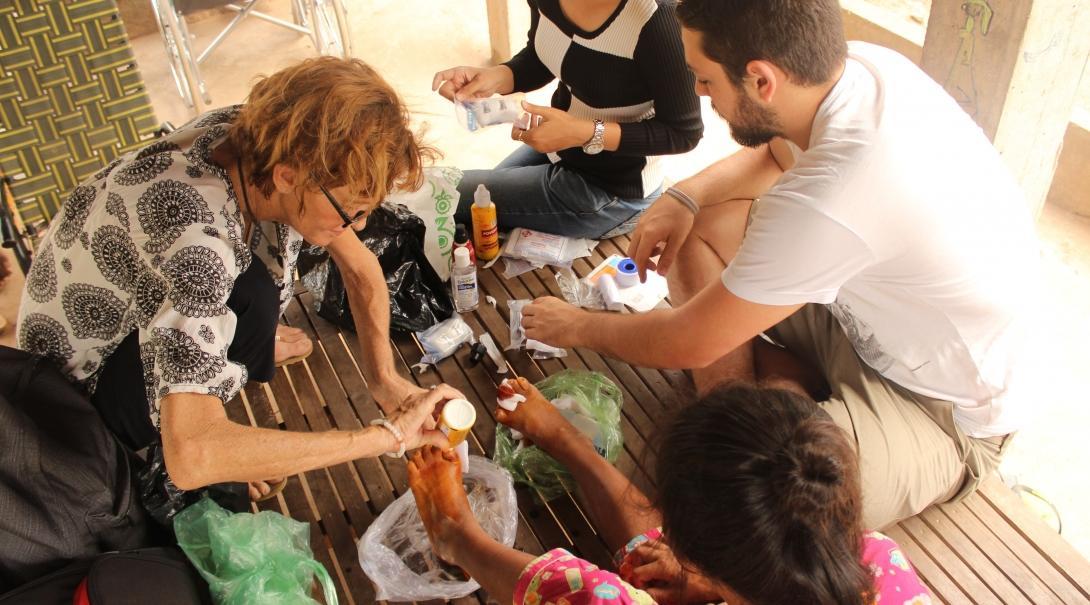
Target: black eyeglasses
<point>349,221</point>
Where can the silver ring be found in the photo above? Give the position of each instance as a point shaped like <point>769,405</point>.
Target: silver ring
<point>519,136</point>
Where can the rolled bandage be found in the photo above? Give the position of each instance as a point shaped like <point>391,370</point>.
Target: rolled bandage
<point>610,293</point>
<point>628,274</point>
<point>456,419</point>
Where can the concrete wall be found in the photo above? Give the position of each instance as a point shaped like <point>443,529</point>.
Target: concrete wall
<point>1071,184</point>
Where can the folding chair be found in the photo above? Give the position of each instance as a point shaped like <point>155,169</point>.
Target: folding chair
<point>325,21</point>
<point>71,101</point>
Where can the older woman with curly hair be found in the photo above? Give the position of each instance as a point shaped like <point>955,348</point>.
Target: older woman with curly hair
<point>160,285</point>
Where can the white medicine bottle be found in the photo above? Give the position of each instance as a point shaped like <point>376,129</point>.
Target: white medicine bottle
<point>463,282</point>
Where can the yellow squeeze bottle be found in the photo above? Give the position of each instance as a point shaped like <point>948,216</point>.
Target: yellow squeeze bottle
<point>486,232</point>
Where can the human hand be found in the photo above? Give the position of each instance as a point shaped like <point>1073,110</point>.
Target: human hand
<point>552,321</point>
<point>552,129</point>
<point>416,417</point>
<point>661,231</point>
<point>391,394</point>
<point>460,83</point>
<point>653,567</point>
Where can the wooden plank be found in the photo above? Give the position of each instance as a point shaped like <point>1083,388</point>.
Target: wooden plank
<point>318,483</point>
<point>952,565</point>
<point>943,589</point>
<point>995,57</point>
<point>976,560</point>
<point>1024,549</point>
<point>337,377</point>
<point>997,552</point>
<point>298,507</point>
<point>1054,548</point>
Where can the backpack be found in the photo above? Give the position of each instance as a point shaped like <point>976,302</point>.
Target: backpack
<point>67,489</point>
<point>150,575</point>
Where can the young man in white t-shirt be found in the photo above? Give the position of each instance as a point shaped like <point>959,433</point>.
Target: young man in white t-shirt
<point>868,228</point>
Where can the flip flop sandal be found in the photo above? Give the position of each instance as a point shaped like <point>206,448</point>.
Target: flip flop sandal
<point>274,489</point>
<point>296,358</point>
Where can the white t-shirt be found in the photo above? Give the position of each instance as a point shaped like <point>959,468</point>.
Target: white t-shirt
<point>902,218</point>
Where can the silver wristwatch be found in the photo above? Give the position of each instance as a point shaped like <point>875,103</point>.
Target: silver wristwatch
<point>596,143</point>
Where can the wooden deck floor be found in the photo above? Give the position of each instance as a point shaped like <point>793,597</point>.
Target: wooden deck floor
<point>986,549</point>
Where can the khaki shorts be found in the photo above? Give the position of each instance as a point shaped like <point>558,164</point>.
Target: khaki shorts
<point>911,452</point>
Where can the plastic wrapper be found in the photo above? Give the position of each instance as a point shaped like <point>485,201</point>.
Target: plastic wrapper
<point>248,558</point>
<point>163,501</point>
<point>541,249</point>
<point>578,292</point>
<point>538,349</point>
<point>475,114</point>
<point>418,297</point>
<point>588,400</point>
<point>397,555</point>
<point>442,340</point>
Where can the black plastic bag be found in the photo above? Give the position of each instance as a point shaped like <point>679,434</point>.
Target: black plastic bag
<point>162,500</point>
<point>419,299</point>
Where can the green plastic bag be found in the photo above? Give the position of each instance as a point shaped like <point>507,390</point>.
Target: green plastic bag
<point>248,558</point>
<point>595,409</point>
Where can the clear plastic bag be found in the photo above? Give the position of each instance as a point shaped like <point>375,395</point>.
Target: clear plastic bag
<point>538,349</point>
<point>587,399</point>
<point>396,554</point>
<point>248,558</point>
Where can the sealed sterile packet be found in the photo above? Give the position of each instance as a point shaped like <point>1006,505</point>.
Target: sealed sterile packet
<point>541,249</point>
<point>442,340</point>
<point>475,114</point>
<point>539,349</point>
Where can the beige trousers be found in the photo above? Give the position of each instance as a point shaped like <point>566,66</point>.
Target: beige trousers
<point>911,452</point>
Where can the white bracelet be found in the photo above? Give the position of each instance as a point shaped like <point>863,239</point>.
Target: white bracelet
<point>396,432</point>
<point>684,198</point>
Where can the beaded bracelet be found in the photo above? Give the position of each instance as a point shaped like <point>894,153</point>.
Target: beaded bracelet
<point>684,198</point>
<point>396,432</point>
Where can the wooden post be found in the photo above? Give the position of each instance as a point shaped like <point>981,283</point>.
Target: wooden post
<point>499,30</point>
<point>1015,66</point>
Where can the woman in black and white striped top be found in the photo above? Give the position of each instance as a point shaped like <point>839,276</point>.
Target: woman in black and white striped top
<point>589,167</point>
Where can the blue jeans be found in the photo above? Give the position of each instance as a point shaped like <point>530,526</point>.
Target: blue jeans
<point>532,192</point>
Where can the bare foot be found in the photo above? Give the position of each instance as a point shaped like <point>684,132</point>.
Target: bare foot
<point>537,418</point>
<point>291,343</point>
<point>435,477</point>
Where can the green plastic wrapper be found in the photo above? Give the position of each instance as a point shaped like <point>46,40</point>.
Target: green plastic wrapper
<point>248,558</point>
<point>595,410</point>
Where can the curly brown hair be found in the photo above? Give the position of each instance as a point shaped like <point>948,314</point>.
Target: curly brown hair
<point>337,122</point>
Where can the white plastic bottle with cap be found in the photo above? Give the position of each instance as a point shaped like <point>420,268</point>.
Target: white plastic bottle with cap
<point>463,282</point>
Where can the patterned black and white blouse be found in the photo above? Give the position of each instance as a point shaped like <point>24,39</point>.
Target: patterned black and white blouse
<point>154,243</point>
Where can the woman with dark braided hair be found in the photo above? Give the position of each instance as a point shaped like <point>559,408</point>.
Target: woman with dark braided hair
<point>759,503</point>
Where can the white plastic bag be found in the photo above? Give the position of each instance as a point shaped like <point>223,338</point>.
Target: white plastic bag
<point>396,554</point>
<point>435,204</point>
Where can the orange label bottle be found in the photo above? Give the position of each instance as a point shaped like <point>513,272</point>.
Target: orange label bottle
<point>486,232</point>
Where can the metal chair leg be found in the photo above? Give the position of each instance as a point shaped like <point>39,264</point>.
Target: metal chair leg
<point>330,26</point>
<point>160,9</point>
